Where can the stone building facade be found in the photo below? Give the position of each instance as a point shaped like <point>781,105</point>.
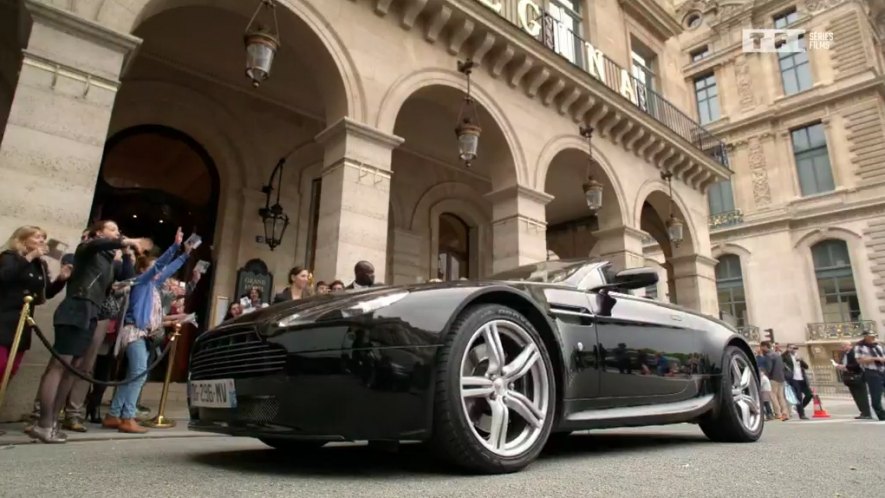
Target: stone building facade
<point>102,98</point>
<point>798,230</point>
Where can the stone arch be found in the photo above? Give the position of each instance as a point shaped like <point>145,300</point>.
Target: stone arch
<point>127,15</point>
<point>720,250</point>
<point>816,235</point>
<point>405,87</point>
<point>656,186</point>
<point>566,142</point>
<point>464,202</point>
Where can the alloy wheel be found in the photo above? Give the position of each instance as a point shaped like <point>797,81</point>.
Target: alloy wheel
<point>745,393</point>
<point>504,388</point>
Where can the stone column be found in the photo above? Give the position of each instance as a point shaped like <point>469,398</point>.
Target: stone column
<point>53,145</point>
<point>519,229</point>
<point>355,200</point>
<point>695,282</point>
<point>621,245</point>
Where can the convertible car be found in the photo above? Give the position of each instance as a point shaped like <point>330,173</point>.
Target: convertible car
<point>484,372</point>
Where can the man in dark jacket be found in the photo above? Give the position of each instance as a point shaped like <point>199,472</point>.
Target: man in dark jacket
<point>775,372</point>
<point>852,376</point>
<point>797,378</point>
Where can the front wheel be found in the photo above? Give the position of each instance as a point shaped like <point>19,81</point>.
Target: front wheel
<point>739,417</point>
<point>495,392</point>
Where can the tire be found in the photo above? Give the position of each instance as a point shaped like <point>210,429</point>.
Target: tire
<point>293,446</point>
<point>463,431</point>
<point>737,418</point>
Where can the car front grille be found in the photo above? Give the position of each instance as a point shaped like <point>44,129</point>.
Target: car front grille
<point>236,354</point>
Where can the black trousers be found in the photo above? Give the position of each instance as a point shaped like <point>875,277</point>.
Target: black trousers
<point>861,398</point>
<point>876,384</point>
<point>803,394</point>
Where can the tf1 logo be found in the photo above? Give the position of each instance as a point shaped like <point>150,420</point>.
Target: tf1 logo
<point>773,40</point>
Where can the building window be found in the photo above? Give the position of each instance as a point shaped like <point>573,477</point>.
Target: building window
<point>795,70</point>
<point>454,248</point>
<point>643,62</point>
<point>567,32</point>
<point>693,20</point>
<point>699,53</point>
<point>707,96</point>
<point>786,18</point>
<point>730,287</point>
<point>835,282</point>
<point>812,160</point>
<point>721,198</point>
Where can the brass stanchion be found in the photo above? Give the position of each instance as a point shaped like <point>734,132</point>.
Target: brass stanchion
<point>7,373</point>
<point>160,421</point>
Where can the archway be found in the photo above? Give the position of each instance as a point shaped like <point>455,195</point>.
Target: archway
<point>573,230</point>
<point>654,212</point>
<point>429,180</point>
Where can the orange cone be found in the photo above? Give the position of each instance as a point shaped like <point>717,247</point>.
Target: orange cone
<point>819,411</point>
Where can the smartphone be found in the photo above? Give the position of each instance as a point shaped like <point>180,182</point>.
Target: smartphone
<point>194,240</point>
<point>201,266</point>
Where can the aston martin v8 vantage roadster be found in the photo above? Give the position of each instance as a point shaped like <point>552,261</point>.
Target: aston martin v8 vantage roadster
<point>484,372</point>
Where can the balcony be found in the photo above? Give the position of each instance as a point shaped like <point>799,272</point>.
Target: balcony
<point>750,333</point>
<point>842,331</point>
<point>726,219</point>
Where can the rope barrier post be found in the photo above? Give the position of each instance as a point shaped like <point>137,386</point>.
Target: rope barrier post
<point>10,362</point>
<point>160,421</point>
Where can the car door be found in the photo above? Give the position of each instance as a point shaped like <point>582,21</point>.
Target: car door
<point>569,309</point>
<point>647,355</point>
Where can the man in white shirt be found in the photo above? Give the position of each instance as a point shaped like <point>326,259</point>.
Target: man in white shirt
<point>797,378</point>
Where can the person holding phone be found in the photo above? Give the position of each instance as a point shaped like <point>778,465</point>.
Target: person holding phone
<point>23,272</point>
<point>75,321</point>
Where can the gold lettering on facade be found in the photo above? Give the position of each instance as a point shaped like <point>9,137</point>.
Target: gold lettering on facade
<point>528,14</point>
<point>595,62</point>
<point>495,5</point>
<point>627,89</point>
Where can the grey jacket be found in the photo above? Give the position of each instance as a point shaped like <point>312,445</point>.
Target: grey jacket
<point>775,367</point>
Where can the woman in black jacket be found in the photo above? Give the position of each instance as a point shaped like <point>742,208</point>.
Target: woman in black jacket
<point>23,273</point>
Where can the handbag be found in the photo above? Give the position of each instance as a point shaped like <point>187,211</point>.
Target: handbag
<point>115,304</point>
<point>850,378</point>
<point>790,395</point>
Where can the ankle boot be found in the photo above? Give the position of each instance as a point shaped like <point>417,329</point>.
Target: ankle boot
<point>130,426</point>
<point>110,422</point>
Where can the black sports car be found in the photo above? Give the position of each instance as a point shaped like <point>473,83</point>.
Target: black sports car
<point>483,371</point>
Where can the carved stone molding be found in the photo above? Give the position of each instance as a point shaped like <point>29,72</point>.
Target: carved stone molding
<point>818,5</point>
<point>744,83</point>
<point>761,189</point>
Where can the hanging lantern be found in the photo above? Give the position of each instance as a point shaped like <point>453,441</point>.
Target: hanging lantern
<point>468,129</point>
<point>262,44</point>
<point>675,230</point>
<point>275,223</point>
<point>593,194</point>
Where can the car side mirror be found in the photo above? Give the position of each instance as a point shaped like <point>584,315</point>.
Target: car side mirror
<point>632,278</point>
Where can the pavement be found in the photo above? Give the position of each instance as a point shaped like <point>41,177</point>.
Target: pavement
<point>838,456</point>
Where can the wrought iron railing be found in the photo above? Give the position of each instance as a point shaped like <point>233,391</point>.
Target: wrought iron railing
<point>572,49</point>
<point>726,219</point>
<point>830,331</point>
<point>750,333</point>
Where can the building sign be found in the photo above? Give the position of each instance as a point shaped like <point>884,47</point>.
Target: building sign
<point>254,274</point>
<point>555,35</point>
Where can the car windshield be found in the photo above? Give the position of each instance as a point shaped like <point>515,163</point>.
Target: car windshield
<point>548,272</point>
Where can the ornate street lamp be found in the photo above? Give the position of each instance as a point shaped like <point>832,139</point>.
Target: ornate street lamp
<point>262,44</point>
<point>675,227</point>
<point>592,188</point>
<point>468,129</point>
<point>275,220</point>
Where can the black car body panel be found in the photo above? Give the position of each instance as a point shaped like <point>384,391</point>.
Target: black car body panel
<point>333,374</point>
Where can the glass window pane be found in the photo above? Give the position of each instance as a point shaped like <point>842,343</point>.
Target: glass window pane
<point>827,286</point>
<point>791,82</point>
<point>823,173</point>
<point>816,135</point>
<point>805,170</point>
<point>800,140</point>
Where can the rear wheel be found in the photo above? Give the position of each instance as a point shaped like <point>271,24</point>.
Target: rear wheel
<point>739,417</point>
<point>292,445</point>
<point>495,392</point>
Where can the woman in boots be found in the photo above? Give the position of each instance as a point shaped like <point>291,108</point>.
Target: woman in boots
<point>143,319</point>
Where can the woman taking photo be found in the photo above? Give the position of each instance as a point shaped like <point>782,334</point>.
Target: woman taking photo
<point>299,286</point>
<point>75,321</point>
<point>142,321</point>
<point>23,273</point>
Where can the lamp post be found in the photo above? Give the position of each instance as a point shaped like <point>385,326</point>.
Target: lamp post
<point>675,227</point>
<point>468,129</point>
<point>262,44</point>
<point>273,217</point>
<point>592,188</point>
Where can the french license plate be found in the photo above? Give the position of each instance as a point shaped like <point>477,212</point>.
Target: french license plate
<point>221,393</point>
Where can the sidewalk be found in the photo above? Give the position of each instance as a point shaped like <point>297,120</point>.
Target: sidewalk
<point>176,409</point>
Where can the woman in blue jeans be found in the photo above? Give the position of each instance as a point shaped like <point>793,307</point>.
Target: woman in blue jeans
<point>143,318</point>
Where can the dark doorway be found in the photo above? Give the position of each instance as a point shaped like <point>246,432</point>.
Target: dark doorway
<point>154,179</point>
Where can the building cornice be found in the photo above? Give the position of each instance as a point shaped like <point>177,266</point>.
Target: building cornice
<point>519,191</point>
<point>68,21</point>
<point>653,16</point>
<point>351,128</point>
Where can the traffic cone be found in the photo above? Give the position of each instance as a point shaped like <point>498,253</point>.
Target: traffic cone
<point>819,411</point>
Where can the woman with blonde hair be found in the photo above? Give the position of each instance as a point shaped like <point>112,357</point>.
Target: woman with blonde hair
<point>23,272</point>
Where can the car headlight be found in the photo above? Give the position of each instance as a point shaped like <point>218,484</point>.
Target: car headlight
<point>374,304</point>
